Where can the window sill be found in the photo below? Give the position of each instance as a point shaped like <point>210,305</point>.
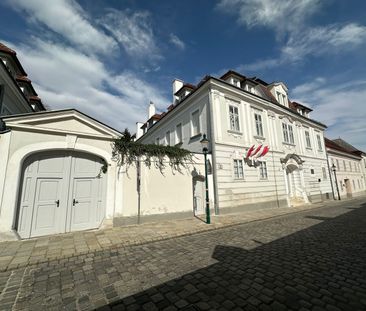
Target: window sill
<point>235,132</point>
<point>289,144</point>
<point>259,137</point>
<point>309,148</point>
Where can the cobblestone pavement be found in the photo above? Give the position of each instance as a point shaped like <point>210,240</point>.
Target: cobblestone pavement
<point>312,260</point>
<point>18,254</point>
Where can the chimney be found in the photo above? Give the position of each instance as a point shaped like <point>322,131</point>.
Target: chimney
<point>139,131</point>
<point>177,85</point>
<point>152,110</point>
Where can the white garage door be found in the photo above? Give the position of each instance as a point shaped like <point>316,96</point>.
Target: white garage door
<point>61,192</point>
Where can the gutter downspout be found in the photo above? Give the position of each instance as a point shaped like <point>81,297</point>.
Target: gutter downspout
<point>213,152</point>
<point>2,124</point>
<point>330,175</point>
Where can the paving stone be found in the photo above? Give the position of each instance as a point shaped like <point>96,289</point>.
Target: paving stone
<point>300,263</point>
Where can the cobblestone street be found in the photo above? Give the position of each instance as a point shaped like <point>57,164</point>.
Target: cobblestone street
<point>311,260</point>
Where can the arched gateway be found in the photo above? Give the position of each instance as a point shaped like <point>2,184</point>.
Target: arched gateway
<point>294,180</point>
<point>61,191</point>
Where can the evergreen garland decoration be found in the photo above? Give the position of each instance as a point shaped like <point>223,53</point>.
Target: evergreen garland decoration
<point>126,152</point>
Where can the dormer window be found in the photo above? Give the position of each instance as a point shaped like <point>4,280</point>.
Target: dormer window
<point>235,81</point>
<point>250,88</point>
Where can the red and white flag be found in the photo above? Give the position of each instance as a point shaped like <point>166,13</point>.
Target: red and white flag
<point>250,151</point>
<point>256,150</point>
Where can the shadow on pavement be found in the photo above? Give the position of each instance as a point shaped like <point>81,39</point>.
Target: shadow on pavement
<point>321,267</point>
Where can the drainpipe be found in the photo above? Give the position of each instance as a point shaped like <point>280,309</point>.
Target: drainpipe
<point>138,169</point>
<point>2,124</point>
<point>330,175</point>
<point>275,179</point>
<point>213,151</point>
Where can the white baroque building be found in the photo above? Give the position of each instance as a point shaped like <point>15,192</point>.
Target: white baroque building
<point>237,112</point>
<point>350,168</point>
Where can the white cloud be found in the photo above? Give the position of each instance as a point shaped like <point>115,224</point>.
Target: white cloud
<point>133,31</point>
<point>67,18</point>
<point>317,41</point>
<point>288,20</point>
<point>177,42</point>
<point>321,40</point>
<point>67,78</point>
<point>276,14</point>
<point>338,105</point>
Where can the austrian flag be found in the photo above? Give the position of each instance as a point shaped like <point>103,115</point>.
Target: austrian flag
<point>257,151</point>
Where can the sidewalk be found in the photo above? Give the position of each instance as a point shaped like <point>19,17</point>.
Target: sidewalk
<point>16,254</point>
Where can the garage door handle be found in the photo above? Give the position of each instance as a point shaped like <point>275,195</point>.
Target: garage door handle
<point>57,203</point>
<point>74,202</point>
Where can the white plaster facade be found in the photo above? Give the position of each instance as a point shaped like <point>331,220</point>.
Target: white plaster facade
<point>37,133</point>
<point>295,169</point>
<point>350,169</point>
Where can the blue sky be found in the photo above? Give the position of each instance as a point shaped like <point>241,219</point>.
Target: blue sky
<point>110,58</point>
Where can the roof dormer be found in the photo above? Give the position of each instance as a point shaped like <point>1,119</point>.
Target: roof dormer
<point>280,92</point>
<point>301,109</point>
<point>184,91</point>
<point>233,78</point>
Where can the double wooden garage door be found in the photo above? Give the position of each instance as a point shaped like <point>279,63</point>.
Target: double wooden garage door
<point>61,191</point>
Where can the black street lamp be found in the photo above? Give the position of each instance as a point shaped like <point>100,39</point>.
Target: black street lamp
<point>204,142</point>
<point>334,169</point>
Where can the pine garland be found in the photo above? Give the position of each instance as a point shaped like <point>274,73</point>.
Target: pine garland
<point>126,152</point>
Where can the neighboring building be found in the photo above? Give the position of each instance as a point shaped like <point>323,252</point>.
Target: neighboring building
<point>17,94</point>
<point>50,162</point>
<point>237,112</point>
<point>350,165</point>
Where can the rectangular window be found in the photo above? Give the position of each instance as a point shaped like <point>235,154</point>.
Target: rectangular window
<point>337,164</point>
<point>288,133</point>
<point>157,141</point>
<point>320,146</point>
<point>344,166</point>
<point>195,123</point>
<point>263,170</point>
<point>324,173</point>
<point>178,134</point>
<point>285,133</point>
<point>258,124</point>
<point>234,118</point>
<point>307,139</point>
<point>238,169</point>
<point>291,134</point>
<point>350,166</point>
<point>167,138</point>
<point>354,185</point>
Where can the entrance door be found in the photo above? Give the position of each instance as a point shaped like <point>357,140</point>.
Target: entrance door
<point>86,195</point>
<point>46,210</point>
<point>347,182</point>
<point>198,196</point>
<point>61,191</point>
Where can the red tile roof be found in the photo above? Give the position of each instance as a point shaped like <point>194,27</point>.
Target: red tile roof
<point>23,79</point>
<point>5,49</point>
<point>296,105</point>
<point>332,144</point>
<point>34,98</point>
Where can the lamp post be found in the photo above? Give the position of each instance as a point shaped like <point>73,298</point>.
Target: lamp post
<point>204,142</point>
<point>334,169</point>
